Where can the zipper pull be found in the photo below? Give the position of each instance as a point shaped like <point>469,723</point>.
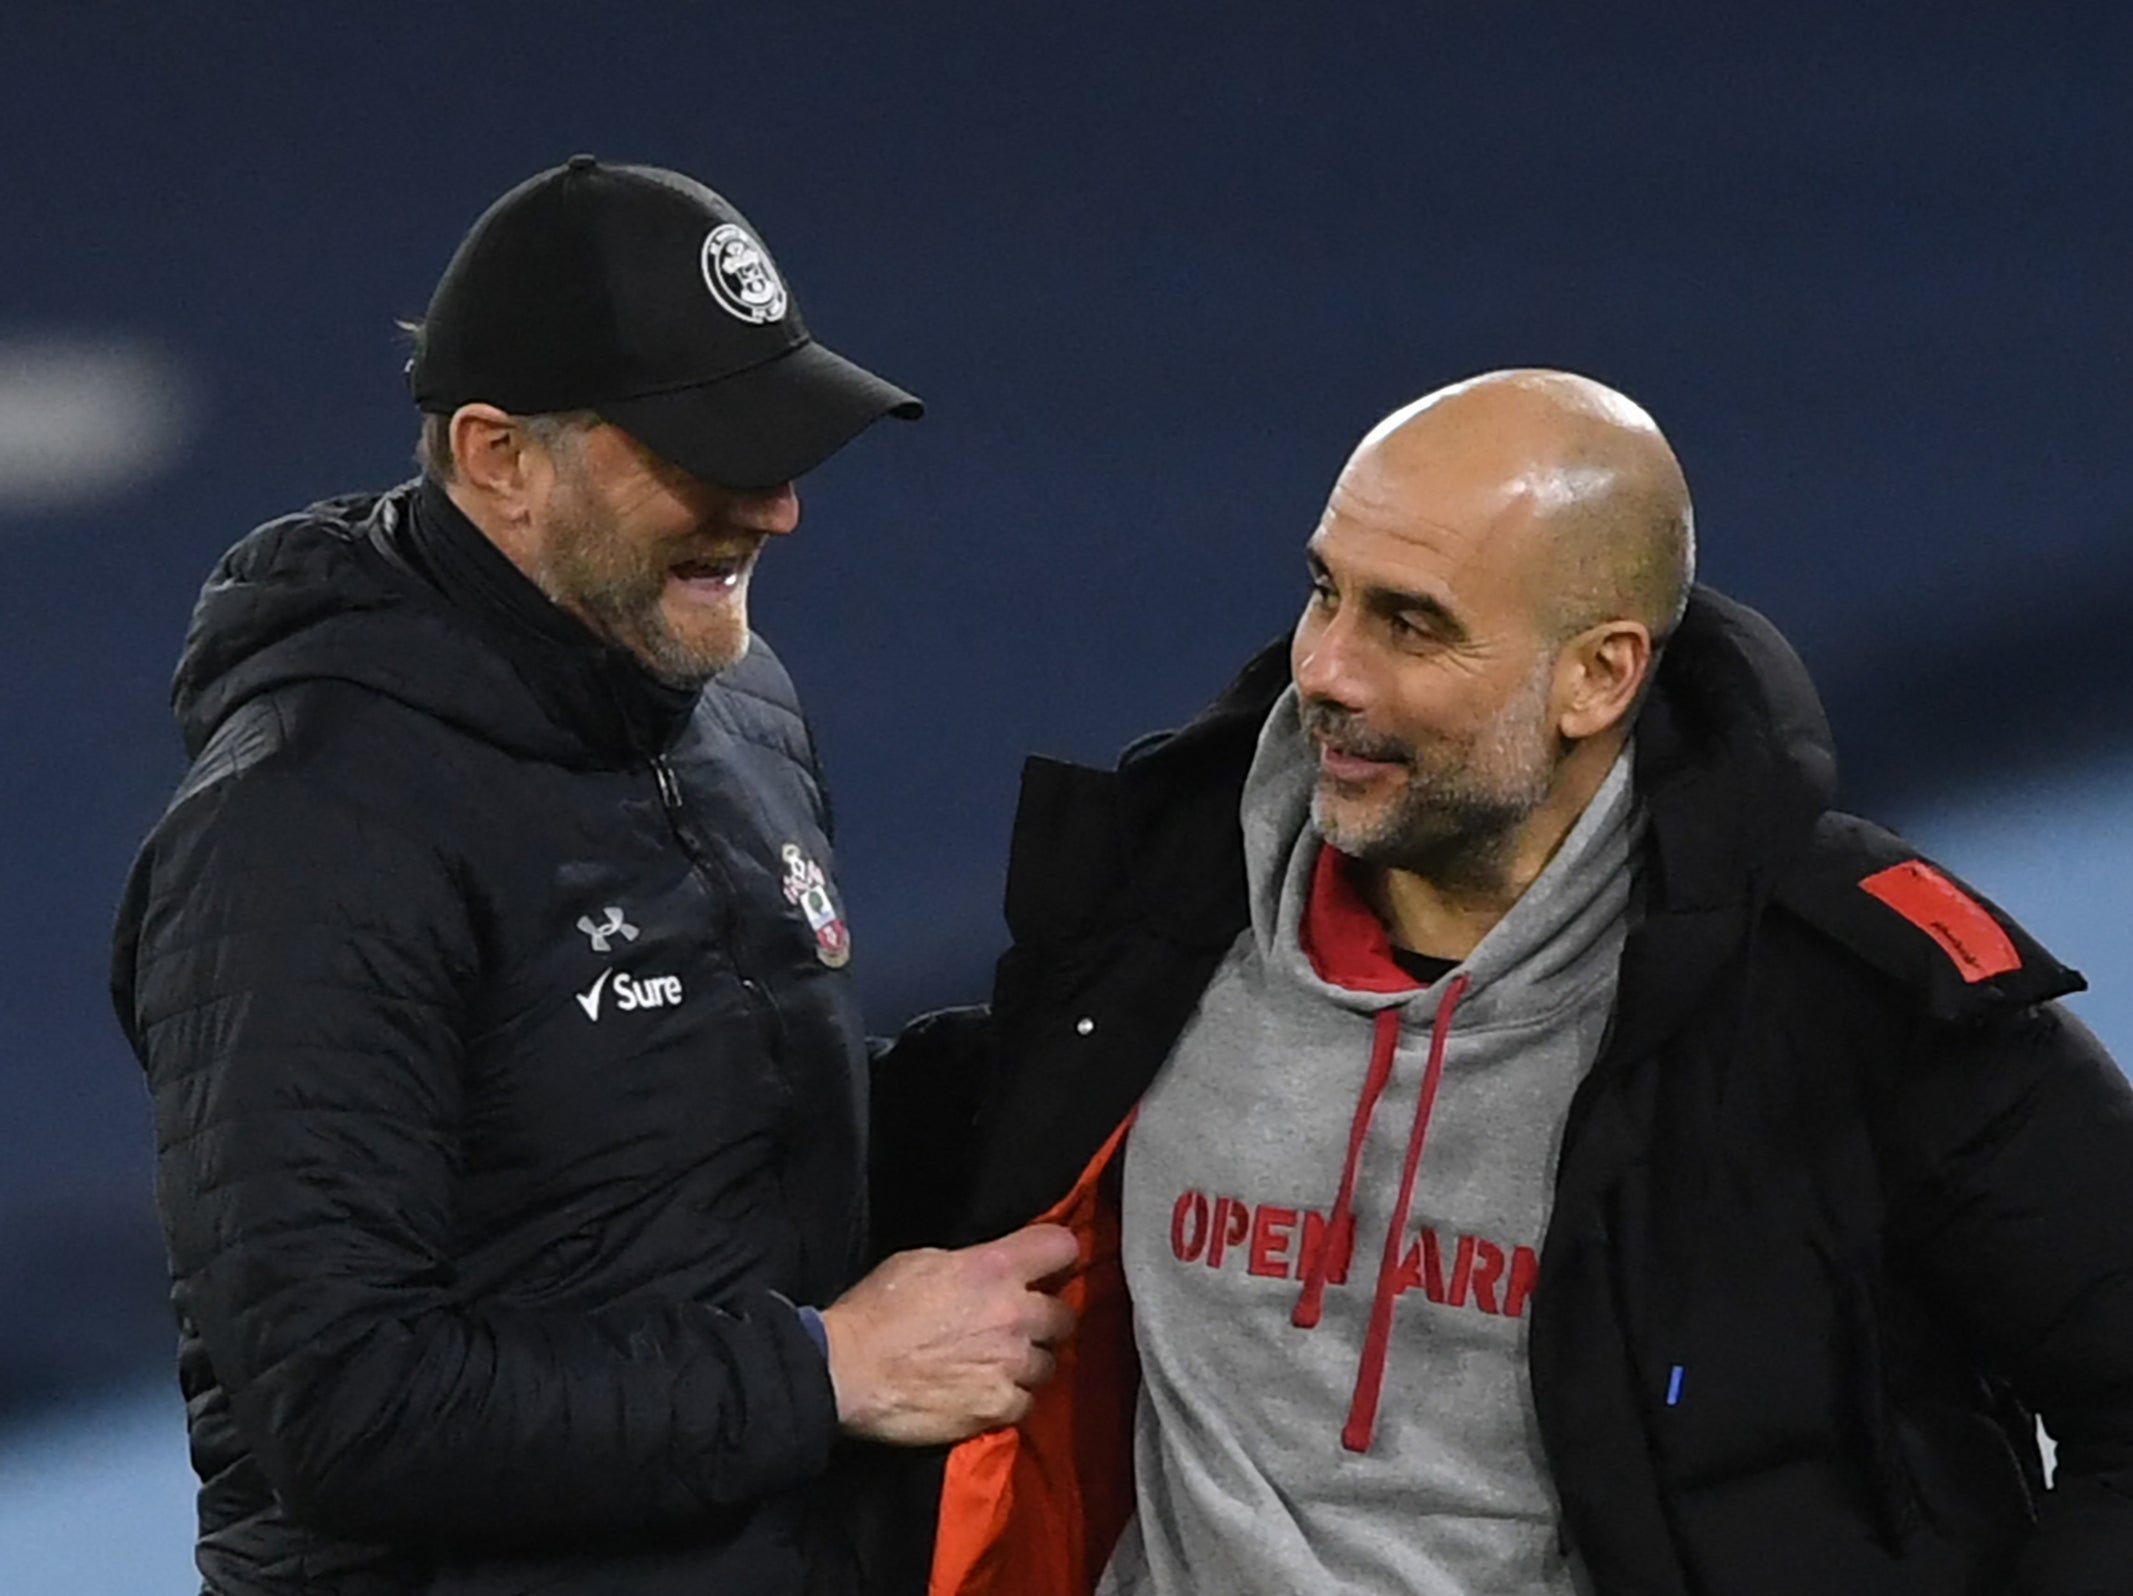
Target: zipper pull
<point>669,787</point>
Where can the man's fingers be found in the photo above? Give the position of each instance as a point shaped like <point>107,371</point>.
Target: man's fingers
<point>936,1346</point>
<point>1034,1251</point>
<point>1037,1369</point>
<point>1047,1320</point>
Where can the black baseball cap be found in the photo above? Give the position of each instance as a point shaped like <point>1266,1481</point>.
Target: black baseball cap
<point>641,295</point>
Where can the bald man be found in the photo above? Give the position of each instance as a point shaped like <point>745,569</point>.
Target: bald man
<point>1521,1139</point>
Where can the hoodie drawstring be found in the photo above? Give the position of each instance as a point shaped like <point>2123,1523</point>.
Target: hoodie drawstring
<point>1370,1375</point>
<point>1334,1254</point>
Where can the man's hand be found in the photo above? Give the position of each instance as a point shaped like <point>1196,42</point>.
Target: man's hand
<point>935,1346</point>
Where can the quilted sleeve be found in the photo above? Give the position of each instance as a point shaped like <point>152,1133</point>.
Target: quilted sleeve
<point>293,975</point>
<point>2019,1172</point>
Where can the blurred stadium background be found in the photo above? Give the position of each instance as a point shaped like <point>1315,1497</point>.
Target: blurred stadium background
<point>1154,268</point>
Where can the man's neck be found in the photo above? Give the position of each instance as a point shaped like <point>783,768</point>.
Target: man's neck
<point>1448,920</point>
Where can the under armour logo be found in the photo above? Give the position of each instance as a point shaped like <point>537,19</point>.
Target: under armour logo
<point>598,934</point>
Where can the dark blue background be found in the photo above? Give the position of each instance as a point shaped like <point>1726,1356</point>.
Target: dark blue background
<point>1155,268</point>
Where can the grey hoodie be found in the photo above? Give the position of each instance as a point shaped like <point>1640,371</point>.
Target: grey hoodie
<point>1319,1418</point>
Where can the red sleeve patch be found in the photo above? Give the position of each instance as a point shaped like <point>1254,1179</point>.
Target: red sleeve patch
<point>1950,916</point>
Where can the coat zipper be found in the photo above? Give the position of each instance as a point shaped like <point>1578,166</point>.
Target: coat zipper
<point>721,882</point>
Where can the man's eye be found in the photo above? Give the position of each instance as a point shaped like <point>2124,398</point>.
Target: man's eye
<point>1322,591</point>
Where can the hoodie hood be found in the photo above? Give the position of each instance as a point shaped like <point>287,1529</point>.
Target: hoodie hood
<point>399,594</point>
<point>1531,962</point>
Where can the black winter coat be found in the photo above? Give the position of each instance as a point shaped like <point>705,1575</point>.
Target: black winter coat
<point>508,1088</point>
<point>1845,1203</point>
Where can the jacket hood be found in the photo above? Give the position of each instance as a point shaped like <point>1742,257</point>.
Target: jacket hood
<point>1734,757</point>
<point>354,590</point>
<point>1733,763</point>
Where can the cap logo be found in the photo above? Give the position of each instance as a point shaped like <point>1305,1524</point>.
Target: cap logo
<point>738,272</point>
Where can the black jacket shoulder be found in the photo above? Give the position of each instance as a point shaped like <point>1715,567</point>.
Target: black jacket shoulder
<point>1960,954</point>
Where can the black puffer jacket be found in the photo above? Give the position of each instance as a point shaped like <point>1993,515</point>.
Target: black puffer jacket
<point>509,1090</point>
<point>1845,1202</point>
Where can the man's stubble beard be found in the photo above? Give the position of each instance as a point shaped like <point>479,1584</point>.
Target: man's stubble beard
<point>618,590</point>
<point>1455,821</point>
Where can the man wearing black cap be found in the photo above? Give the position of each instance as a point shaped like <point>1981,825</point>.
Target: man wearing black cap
<point>491,980</point>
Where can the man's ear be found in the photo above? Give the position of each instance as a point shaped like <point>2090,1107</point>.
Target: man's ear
<point>492,458</point>
<point>1599,674</point>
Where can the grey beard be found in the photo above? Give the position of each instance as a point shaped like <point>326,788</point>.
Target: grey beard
<point>1461,842</point>
<point>642,631</point>
<point>1448,825</point>
<point>619,602</point>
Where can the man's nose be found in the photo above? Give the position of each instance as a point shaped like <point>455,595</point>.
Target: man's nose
<point>1325,664</point>
<point>775,511</point>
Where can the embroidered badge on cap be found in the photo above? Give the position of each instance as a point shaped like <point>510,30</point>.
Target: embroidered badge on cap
<point>808,889</point>
<point>738,272</point>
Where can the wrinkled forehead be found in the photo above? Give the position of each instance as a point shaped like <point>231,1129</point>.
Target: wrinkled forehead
<point>1457,505</point>
<point>1472,539</point>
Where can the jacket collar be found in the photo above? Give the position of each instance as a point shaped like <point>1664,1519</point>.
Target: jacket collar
<point>593,691</point>
<point>1734,758</point>
<point>1178,822</point>
<point>1734,765</point>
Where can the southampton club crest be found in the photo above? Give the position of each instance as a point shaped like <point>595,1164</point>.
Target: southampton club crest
<point>738,272</point>
<point>807,889</point>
